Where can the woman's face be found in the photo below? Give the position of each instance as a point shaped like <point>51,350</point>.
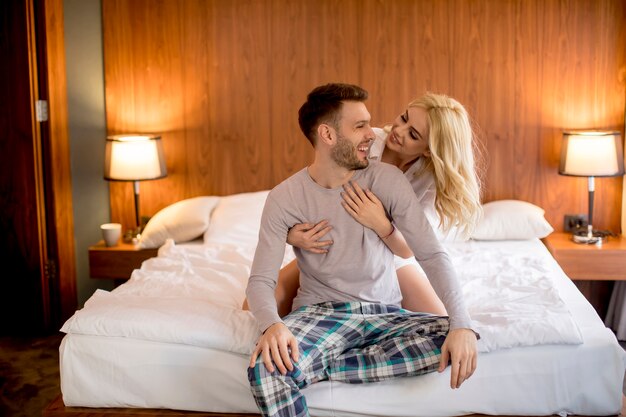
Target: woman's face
<point>409,133</point>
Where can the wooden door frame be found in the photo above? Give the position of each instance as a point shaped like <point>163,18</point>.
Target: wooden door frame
<point>61,274</point>
<point>51,160</point>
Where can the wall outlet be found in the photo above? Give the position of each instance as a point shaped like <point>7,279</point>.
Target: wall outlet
<point>574,222</point>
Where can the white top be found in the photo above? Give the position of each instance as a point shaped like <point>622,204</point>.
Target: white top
<point>423,184</point>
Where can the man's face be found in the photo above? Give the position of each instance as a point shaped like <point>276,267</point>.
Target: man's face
<point>354,136</point>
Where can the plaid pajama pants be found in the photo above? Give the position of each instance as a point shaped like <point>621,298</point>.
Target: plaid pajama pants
<point>350,342</point>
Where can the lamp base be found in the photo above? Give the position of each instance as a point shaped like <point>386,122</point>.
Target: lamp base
<point>586,238</point>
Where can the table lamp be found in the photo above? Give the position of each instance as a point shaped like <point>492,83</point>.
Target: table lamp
<point>591,153</point>
<point>134,157</point>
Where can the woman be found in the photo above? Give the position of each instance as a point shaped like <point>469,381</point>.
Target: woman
<point>432,143</point>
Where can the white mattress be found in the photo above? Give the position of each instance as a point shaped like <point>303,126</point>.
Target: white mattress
<point>174,336</point>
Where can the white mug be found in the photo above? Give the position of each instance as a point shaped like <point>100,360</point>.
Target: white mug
<point>111,233</point>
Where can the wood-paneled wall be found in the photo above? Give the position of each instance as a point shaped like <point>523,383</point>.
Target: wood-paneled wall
<point>222,82</point>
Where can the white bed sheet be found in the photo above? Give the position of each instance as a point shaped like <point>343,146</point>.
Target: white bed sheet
<point>192,295</point>
<point>585,379</point>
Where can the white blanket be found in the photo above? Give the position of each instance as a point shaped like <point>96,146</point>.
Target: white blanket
<point>191,294</point>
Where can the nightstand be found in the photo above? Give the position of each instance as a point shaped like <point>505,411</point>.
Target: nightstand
<point>589,262</point>
<point>593,268</point>
<point>116,262</point>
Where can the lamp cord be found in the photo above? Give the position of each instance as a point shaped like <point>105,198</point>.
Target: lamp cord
<point>137,217</point>
<point>591,191</point>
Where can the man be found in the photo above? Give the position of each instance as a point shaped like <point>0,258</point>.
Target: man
<point>346,324</point>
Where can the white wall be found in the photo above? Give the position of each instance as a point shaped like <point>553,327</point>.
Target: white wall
<point>87,130</point>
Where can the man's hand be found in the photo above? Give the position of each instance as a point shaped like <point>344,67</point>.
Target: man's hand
<point>460,349</point>
<point>274,346</point>
<point>307,236</point>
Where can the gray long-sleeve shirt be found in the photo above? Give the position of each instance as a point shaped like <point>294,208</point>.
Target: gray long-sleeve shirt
<point>358,266</point>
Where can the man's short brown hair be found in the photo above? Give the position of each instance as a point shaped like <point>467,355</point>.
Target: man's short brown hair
<point>323,105</point>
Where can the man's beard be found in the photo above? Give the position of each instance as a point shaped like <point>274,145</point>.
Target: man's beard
<point>345,155</point>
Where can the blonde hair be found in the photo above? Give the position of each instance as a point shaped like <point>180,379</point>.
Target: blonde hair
<point>453,163</point>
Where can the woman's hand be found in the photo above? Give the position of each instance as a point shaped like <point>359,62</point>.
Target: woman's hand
<point>307,236</point>
<point>366,209</point>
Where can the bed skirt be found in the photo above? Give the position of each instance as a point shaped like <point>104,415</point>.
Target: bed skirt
<point>57,409</point>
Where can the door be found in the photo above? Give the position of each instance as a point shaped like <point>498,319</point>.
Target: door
<point>26,304</point>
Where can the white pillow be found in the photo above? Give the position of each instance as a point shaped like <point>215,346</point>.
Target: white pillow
<point>182,221</point>
<point>512,220</point>
<point>237,219</point>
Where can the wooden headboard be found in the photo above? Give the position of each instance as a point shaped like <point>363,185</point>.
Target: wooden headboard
<point>222,82</point>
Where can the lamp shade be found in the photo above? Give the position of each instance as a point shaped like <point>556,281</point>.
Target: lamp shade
<point>134,157</point>
<point>591,153</point>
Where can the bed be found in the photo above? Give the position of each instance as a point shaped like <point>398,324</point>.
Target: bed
<point>174,336</point>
